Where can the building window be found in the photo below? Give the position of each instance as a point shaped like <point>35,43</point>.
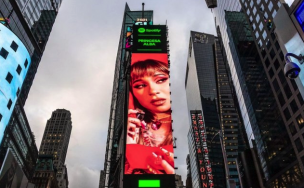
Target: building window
<point>251,4</point>
<point>253,26</point>
<point>256,34</point>
<point>258,18</point>
<point>287,91</point>
<point>270,6</point>
<point>292,129</point>
<point>9,104</point>
<point>254,11</point>
<point>261,26</point>
<point>294,106</point>
<point>287,114</point>
<point>298,145</point>
<point>18,70</point>
<point>265,16</point>
<point>3,53</point>
<point>281,56</point>
<point>281,99</point>
<point>264,34</point>
<point>300,121</point>
<point>272,54</point>
<point>25,63</point>
<point>9,77</point>
<point>300,98</point>
<point>276,64</point>
<point>275,85</point>
<point>274,13</point>
<point>277,45</point>
<point>271,73</point>
<point>14,46</point>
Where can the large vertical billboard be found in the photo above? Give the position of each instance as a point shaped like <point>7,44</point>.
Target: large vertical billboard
<point>14,64</point>
<point>149,156</point>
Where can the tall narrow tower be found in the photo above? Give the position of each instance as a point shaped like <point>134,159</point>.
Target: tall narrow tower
<point>55,142</point>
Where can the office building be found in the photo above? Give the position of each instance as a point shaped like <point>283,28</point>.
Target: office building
<point>113,165</point>
<point>189,179</point>
<point>256,63</point>
<point>178,181</point>
<point>201,90</point>
<point>55,142</point>
<point>101,179</point>
<point>45,173</point>
<point>31,22</point>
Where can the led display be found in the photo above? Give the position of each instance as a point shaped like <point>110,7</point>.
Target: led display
<point>149,133</point>
<point>149,38</point>
<point>14,63</point>
<point>149,156</point>
<point>299,14</point>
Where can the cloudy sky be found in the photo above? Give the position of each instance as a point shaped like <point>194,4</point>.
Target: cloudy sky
<point>77,70</point>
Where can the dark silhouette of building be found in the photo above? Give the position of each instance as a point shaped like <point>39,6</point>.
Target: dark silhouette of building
<point>55,142</point>
<point>32,23</point>
<point>45,173</point>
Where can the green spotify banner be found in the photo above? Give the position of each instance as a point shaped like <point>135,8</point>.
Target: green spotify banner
<point>149,39</point>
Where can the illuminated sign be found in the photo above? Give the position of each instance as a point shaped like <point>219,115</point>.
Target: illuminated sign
<point>4,21</point>
<point>14,64</point>
<point>149,155</point>
<point>128,38</point>
<point>202,153</point>
<point>149,39</point>
<point>299,14</point>
<point>143,21</point>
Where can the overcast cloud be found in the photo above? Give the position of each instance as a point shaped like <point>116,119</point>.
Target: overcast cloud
<point>77,70</point>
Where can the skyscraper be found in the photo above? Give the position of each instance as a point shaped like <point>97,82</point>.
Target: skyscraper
<point>55,142</point>
<point>201,90</point>
<point>113,164</point>
<point>256,64</point>
<point>31,21</point>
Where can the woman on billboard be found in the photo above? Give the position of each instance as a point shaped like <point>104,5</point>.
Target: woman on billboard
<point>149,121</point>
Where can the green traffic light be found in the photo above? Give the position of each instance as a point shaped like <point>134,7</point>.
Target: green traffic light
<point>149,183</point>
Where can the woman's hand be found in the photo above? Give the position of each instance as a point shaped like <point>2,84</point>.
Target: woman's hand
<point>166,160</point>
<point>133,127</point>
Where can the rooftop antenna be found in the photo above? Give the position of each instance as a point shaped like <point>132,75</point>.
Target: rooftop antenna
<point>143,7</point>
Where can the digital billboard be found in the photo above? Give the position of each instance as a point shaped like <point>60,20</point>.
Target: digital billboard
<point>14,64</point>
<point>149,39</point>
<point>149,155</point>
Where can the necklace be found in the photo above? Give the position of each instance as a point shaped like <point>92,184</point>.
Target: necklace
<point>156,124</point>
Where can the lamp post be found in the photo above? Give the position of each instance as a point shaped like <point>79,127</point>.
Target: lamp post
<point>291,69</point>
<point>224,156</point>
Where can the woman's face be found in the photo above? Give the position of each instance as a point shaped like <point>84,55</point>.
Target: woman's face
<point>153,92</point>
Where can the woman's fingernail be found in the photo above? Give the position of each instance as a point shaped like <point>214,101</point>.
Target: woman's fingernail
<point>154,154</point>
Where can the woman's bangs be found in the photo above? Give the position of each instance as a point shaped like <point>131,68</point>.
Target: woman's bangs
<point>139,71</point>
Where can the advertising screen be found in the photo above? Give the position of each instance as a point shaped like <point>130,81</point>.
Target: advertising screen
<point>149,141</point>
<point>11,175</point>
<point>14,64</point>
<point>149,156</point>
<point>149,39</point>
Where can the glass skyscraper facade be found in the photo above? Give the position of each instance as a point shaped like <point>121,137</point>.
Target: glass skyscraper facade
<point>201,90</point>
<point>271,106</point>
<point>32,22</point>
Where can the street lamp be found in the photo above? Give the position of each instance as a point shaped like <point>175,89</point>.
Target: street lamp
<point>224,156</point>
<point>291,69</point>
